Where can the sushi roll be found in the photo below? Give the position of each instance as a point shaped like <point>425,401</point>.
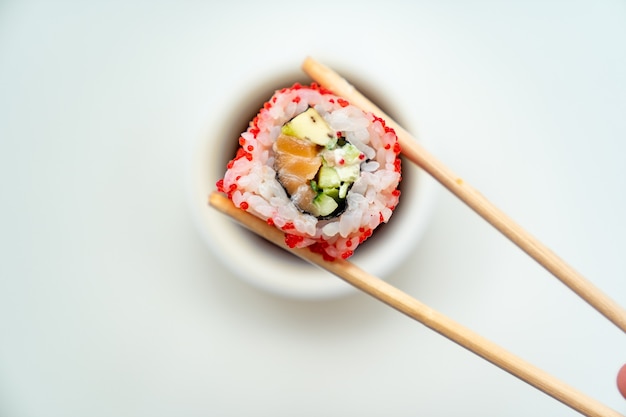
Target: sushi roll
<point>317,167</point>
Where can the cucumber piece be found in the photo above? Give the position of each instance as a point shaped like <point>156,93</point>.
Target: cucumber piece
<point>327,177</point>
<point>324,205</point>
<point>332,192</point>
<point>351,153</point>
<point>343,190</point>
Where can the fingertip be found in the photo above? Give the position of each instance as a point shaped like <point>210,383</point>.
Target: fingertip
<point>621,381</point>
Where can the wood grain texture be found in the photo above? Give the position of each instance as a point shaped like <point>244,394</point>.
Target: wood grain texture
<point>406,304</point>
<point>417,154</point>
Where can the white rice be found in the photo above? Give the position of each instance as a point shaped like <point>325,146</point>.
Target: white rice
<point>251,183</point>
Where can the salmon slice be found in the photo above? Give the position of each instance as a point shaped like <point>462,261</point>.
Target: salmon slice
<point>296,162</point>
<point>296,147</point>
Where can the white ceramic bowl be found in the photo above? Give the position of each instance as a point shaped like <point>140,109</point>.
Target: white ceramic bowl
<point>262,264</point>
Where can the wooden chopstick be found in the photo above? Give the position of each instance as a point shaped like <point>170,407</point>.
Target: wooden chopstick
<point>413,308</point>
<point>416,153</point>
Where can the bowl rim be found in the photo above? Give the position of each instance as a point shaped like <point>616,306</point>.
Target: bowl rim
<point>278,272</point>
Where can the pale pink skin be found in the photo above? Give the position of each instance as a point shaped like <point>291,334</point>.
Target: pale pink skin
<point>621,381</point>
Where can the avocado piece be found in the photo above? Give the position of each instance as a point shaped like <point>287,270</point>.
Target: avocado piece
<point>324,205</point>
<point>310,125</point>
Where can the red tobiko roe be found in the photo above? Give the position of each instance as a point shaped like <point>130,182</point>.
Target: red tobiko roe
<point>292,240</point>
<point>342,102</point>
<point>246,150</point>
<point>621,381</point>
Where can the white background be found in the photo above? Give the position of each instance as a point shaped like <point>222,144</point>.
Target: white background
<point>111,304</point>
